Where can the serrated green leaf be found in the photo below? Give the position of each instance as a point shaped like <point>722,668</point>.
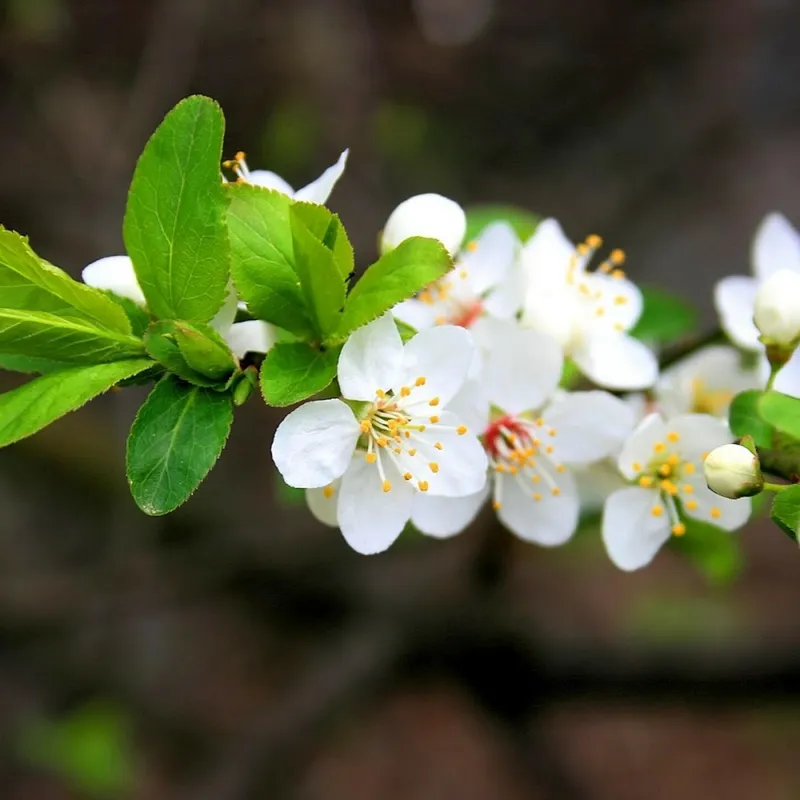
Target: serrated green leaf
<point>327,228</point>
<point>33,406</point>
<point>294,372</point>
<point>522,221</point>
<point>205,350</point>
<point>162,345</point>
<point>322,284</point>
<point>138,317</point>
<point>745,418</point>
<point>69,339</point>
<point>785,511</point>
<point>262,258</point>
<point>27,282</point>
<point>714,552</point>
<point>666,317</point>
<point>781,411</point>
<point>174,442</point>
<point>396,276</point>
<point>31,364</point>
<point>174,226</point>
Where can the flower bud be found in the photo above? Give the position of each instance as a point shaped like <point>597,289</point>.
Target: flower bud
<point>777,308</point>
<point>428,215</point>
<point>733,471</point>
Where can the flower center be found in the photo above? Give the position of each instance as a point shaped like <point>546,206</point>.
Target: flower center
<point>710,401</point>
<point>238,165</point>
<point>667,472</point>
<point>454,299</point>
<point>521,449</point>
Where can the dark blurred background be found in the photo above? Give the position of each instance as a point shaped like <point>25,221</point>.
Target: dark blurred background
<point>238,650</point>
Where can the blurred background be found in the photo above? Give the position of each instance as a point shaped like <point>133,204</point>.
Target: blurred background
<point>238,650</point>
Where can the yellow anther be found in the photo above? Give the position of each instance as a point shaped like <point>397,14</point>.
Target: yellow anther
<point>496,505</point>
<point>689,468</point>
<point>537,497</point>
<point>422,486</point>
<point>556,491</point>
<point>705,455</point>
<point>327,492</point>
<point>659,447</point>
<point>673,436</point>
<point>715,513</point>
<point>552,432</point>
<point>439,446</point>
<point>365,426</point>
<point>370,458</point>
<point>407,476</point>
<point>617,257</point>
<point>548,449</point>
<point>440,320</point>
<point>463,274</point>
<point>617,274</point>
<point>434,419</point>
<point>397,450</point>
<point>387,486</point>
<point>673,460</point>
<point>691,505</point>
<point>688,488</point>
<point>513,470</point>
<point>645,481</point>
<point>561,468</point>
<point>381,394</point>
<point>472,246</point>
<point>636,466</point>
<point>679,529</point>
<point>461,430</point>
<point>599,312</point>
<point>434,467</point>
<point>669,487</point>
<point>421,428</point>
<point>594,241</point>
<point>499,467</point>
<point>582,249</point>
<point>665,470</point>
<point>381,441</point>
<point>420,381</point>
<point>536,478</point>
<point>405,391</point>
<point>412,451</point>
<point>620,300</point>
<point>434,401</point>
<point>618,326</point>
<point>657,511</point>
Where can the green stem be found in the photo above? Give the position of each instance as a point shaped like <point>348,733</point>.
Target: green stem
<point>775,487</point>
<point>773,373</point>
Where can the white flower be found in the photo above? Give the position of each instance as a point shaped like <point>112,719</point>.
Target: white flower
<point>116,274</point>
<point>317,191</point>
<point>776,246</point>
<point>589,314</point>
<point>481,283</point>
<point>777,308</point>
<point>430,215</point>
<point>732,471</point>
<point>665,459</point>
<point>705,382</point>
<point>532,436</point>
<point>403,440</point>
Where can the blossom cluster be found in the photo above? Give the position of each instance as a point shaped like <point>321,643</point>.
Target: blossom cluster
<point>514,381</point>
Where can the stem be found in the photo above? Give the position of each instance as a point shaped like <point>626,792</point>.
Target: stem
<point>773,373</point>
<point>774,487</point>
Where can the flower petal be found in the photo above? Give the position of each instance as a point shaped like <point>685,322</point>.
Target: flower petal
<point>620,300</point>
<point>319,191</point>
<point>549,521</point>
<point>776,246</point>
<point>430,215</point>
<point>114,274</point>
<point>371,359</point>
<point>713,509</point>
<point>589,426</point>
<point>639,447</point>
<point>314,444</point>
<point>698,434</point>
<point>224,318</point>
<point>506,299</point>
<point>616,361</point>
<point>442,517</point>
<point>417,314</point>
<point>323,504</point>
<point>489,259</point>
<point>556,312</point>
<point>270,180</point>
<point>251,336</point>
<point>547,255</point>
<point>631,534</point>
<point>442,356</point>
<point>370,518</point>
<point>734,299</point>
<point>471,406</point>
<point>595,483</point>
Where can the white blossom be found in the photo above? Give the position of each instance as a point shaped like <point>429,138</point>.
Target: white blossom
<point>430,215</point>
<point>777,308</point>
<point>732,471</point>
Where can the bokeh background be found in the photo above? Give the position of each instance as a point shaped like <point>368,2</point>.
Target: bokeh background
<point>238,650</point>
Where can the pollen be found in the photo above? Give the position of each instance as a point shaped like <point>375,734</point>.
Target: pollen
<point>434,419</point>
<point>599,312</point>
<point>420,381</point>
<point>594,241</point>
<point>365,426</point>
<point>434,401</point>
<point>617,257</point>
<point>422,486</point>
<point>669,487</point>
<point>689,468</point>
<point>620,300</point>
<point>715,513</point>
<point>387,486</point>
<point>370,458</point>
<point>327,492</point>
<point>636,466</point>
<point>537,497</point>
<point>678,529</point>
<point>463,274</point>
<point>439,446</point>
<point>496,505</point>
<point>536,478</point>
<point>472,246</point>
<point>659,447</point>
<point>412,451</point>
<point>552,432</point>
<point>381,441</point>
<point>645,481</point>
<point>561,468</point>
<point>407,476</point>
<point>657,511</point>
<point>688,488</point>
<point>461,430</point>
<point>405,391</point>
<point>665,470</point>
<point>434,467</point>
<point>381,394</point>
<point>548,449</point>
<point>556,491</point>
<point>691,505</point>
<point>673,436</point>
<point>617,274</point>
<point>673,460</point>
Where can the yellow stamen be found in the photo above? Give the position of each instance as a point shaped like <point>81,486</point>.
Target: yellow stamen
<point>387,486</point>
<point>412,451</point>
<point>659,447</point>
<point>679,529</point>
<point>645,481</point>
<point>657,511</point>
<point>407,476</point>
<point>434,401</point>
<point>715,513</point>
<point>422,486</point>
<point>537,497</point>
<point>434,419</point>
<point>434,467</point>
<point>691,505</point>
<point>461,430</point>
<point>439,446</point>
<point>370,458</point>
<point>636,466</point>
<point>405,391</point>
<point>327,492</point>
<point>420,381</point>
<point>673,436</point>
<point>556,491</point>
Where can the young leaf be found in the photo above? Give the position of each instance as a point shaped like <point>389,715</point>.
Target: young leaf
<point>785,511</point>
<point>782,412</point>
<point>294,372</point>
<point>27,282</point>
<point>394,277</point>
<point>162,345</point>
<point>322,284</point>
<point>205,350</point>
<point>745,418</point>
<point>31,364</point>
<point>174,225</point>
<point>69,339</point>
<point>328,229</point>
<point>666,317</point>
<point>262,258</point>
<point>522,221</point>
<point>175,440</point>
<point>33,406</point>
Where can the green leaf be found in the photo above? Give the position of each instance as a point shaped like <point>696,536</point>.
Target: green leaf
<point>745,418</point>
<point>322,284</point>
<point>328,229</point>
<point>175,440</point>
<point>782,412</point>
<point>33,406</point>
<point>262,258</point>
<point>30,364</point>
<point>522,221</point>
<point>27,282</point>
<point>174,225</point>
<point>138,317</point>
<point>714,552</point>
<point>665,318</point>
<point>205,350</point>
<point>162,345</point>
<point>293,372</point>
<point>56,338</point>
<point>785,511</point>
<point>395,277</point>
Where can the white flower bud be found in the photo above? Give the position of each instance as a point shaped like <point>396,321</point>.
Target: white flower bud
<point>733,471</point>
<point>777,308</point>
<point>428,215</point>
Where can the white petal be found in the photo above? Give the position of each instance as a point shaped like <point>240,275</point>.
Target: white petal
<point>589,426</point>
<point>776,246</point>
<point>324,505</point>
<point>114,274</point>
<point>417,314</point>
<point>616,361</point>
<point>369,518</point>
<point>522,367</point>
<point>314,444</point>
<point>446,516</point>
<point>620,300</point>
<point>550,521</point>
<point>490,258</point>
<point>251,336</point>
<point>788,379</point>
<point>556,312</point>
<point>471,406</point>
<point>270,180</point>
<point>547,255</point>
<point>734,298</point>
<point>715,510</point>
<point>632,535</point>
<point>319,191</point>
<point>505,300</point>
<point>699,434</point>
<point>639,447</point>
<point>371,359</point>
<point>442,356</point>
<point>224,318</point>
<point>595,483</point>
<point>430,215</point>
